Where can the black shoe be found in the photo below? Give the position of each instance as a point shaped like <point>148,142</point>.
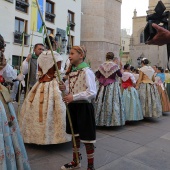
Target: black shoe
<point>71,165</point>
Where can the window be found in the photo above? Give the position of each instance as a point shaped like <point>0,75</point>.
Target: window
<point>50,31</point>
<point>142,37</point>
<point>123,48</point>
<point>72,40</point>
<point>16,60</point>
<point>22,5</point>
<point>71,16</point>
<point>49,14</point>
<point>19,28</point>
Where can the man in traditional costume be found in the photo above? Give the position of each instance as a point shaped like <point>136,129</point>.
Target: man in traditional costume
<point>32,58</point>
<point>13,154</point>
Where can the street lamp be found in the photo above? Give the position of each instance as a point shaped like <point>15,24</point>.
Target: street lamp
<point>64,41</point>
<point>58,37</point>
<point>61,42</point>
<point>138,60</point>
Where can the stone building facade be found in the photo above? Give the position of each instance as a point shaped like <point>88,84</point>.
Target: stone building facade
<point>157,55</point>
<point>100,29</point>
<point>56,14</point>
<point>125,42</point>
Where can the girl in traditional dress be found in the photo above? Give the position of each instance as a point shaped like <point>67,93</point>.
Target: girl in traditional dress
<point>159,80</point>
<point>42,118</point>
<point>109,106</point>
<point>148,93</point>
<point>131,100</point>
<point>13,155</point>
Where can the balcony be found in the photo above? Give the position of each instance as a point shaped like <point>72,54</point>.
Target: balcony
<point>72,25</point>
<point>18,38</point>
<point>49,17</point>
<point>22,6</point>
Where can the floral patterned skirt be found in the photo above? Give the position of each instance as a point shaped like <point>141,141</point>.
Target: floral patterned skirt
<point>43,115</point>
<point>132,105</point>
<point>13,155</point>
<point>168,89</point>
<point>150,100</point>
<point>109,110</point>
<point>164,99</point>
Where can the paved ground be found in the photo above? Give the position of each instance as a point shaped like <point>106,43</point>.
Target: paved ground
<point>143,145</point>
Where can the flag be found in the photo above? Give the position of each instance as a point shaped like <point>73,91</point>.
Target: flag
<point>41,28</point>
<point>120,53</point>
<point>68,29</point>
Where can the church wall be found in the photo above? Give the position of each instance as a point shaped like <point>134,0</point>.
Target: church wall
<point>100,30</point>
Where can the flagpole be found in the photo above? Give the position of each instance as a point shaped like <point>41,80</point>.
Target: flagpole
<point>22,53</point>
<point>29,64</point>
<point>59,77</point>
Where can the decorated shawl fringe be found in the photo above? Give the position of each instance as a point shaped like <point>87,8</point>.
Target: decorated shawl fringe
<point>108,68</point>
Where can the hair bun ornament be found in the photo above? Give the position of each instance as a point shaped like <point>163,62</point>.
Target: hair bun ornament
<point>144,59</point>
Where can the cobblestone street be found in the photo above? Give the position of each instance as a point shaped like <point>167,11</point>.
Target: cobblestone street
<point>140,145</point>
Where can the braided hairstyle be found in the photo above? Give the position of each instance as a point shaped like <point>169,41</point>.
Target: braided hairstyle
<point>126,66</point>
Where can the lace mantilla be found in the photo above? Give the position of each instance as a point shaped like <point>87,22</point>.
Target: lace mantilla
<point>45,60</point>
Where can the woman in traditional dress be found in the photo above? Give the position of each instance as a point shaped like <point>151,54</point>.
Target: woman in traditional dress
<point>136,74</point>
<point>131,100</point>
<point>42,118</point>
<point>167,82</point>
<point>148,93</point>
<point>109,106</point>
<point>159,80</point>
<point>13,155</point>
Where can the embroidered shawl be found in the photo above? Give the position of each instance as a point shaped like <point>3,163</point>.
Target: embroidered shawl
<point>148,70</point>
<point>108,68</point>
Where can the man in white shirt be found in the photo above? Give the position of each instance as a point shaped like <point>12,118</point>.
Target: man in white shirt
<point>32,58</point>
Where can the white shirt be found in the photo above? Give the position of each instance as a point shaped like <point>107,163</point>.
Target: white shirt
<point>90,92</point>
<point>8,73</point>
